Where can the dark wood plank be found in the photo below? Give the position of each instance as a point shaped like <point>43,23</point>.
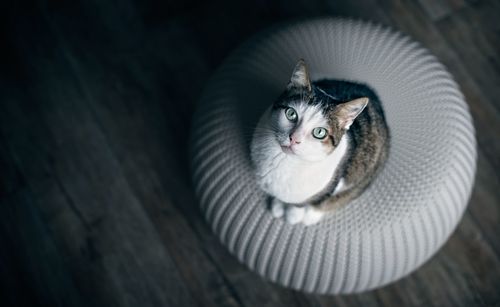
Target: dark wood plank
<point>31,265</point>
<point>141,136</point>
<point>484,205</point>
<point>103,231</point>
<point>438,9</point>
<point>473,34</point>
<point>84,199</point>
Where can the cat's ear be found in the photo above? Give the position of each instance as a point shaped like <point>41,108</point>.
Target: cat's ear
<point>347,112</point>
<point>300,78</point>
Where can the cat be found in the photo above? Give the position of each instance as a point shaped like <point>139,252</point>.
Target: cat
<point>318,146</point>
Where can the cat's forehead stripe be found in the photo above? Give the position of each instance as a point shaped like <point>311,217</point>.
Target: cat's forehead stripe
<point>310,114</point>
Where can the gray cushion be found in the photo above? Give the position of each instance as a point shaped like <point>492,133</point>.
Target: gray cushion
<point>407,213</point>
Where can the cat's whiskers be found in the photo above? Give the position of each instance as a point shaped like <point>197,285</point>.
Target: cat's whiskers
<point>275,165</point>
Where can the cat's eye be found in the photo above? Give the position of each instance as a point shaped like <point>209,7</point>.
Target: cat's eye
<point>319,133</point>
<point>291,114</point>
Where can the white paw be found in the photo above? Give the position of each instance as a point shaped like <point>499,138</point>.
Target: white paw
<point>277,208</point>
<point>294,214</point>
<point>312,216</point>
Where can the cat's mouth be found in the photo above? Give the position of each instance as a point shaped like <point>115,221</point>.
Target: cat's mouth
<point>287,149</point>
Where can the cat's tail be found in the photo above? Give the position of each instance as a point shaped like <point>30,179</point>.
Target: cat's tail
<point>339,200</point>
<point>343,198</point>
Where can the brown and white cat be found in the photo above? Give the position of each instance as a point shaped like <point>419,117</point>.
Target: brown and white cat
<point>319,146</point>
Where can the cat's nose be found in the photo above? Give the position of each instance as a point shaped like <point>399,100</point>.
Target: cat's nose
<point>293,140</point>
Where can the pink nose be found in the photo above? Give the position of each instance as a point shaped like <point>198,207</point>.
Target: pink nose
<point>293,140</point>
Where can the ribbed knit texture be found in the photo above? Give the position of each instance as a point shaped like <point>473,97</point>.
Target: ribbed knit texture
<point>407,213</point>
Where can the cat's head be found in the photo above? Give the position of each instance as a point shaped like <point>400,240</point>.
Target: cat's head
<point>309,123</point>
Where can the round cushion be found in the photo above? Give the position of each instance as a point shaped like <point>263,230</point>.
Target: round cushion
<point>409,210</point>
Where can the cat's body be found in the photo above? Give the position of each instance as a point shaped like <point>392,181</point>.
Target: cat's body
<point>319,146</point>
<point>291,179</point>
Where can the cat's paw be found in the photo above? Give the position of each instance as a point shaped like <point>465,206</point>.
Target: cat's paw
<point>312,216</point>
<point>294,214</point>
<point>277,208</point>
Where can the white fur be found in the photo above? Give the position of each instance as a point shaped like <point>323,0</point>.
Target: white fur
<point>294,177</point>
<point>312,216</point>
<point>277,208</point>
<point>308,215</point>
<point>294,215</point>
<point>341,186</point>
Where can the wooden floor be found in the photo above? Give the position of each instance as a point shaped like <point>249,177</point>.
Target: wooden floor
<point>96,205</point>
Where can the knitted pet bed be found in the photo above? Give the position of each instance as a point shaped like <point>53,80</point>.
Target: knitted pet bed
<point>408,212</point>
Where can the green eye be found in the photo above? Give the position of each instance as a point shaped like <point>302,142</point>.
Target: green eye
<point>291,114</point>
<point>319,133</point>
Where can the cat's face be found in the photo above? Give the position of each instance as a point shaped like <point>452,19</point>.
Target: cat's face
<point>302,129</point>
<point>307,122</point>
